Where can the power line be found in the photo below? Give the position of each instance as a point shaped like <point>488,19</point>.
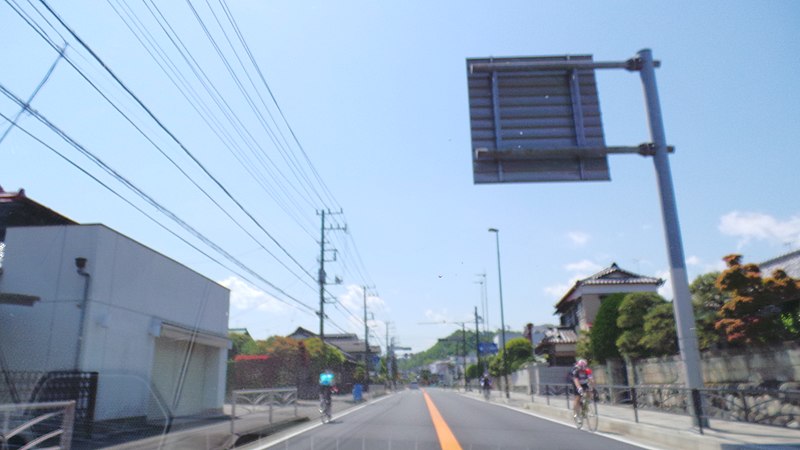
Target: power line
<point>161,125</point>
<point>137,191</point>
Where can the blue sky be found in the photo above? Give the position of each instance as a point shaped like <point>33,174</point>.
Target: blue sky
<point>375,93</point>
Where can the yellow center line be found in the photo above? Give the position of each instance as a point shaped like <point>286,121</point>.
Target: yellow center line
<point>446,437</point>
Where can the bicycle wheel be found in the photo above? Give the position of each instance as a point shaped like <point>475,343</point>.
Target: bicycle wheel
<point>591,416</point>
<point>578,418</point>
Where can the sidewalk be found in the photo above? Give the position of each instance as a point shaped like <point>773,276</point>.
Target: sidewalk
<point>661,430</point>
<point>248,426</point>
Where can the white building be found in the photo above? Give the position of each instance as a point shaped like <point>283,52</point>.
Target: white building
<point>154,330</point>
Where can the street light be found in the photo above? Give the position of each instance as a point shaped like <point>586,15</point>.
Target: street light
<point>502,316</point>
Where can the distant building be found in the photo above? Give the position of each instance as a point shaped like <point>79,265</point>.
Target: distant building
<point>153,330</point>
<point>578,307</point>
<point>558,345</point>
<point>348,343</point>
<point>789,263</point>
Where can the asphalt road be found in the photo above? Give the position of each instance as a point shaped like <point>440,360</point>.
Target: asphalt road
<point>405,421</point>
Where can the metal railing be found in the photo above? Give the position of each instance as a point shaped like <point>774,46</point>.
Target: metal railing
<point>262,400</point>
<point>24,430</point>
<point>774,407</point>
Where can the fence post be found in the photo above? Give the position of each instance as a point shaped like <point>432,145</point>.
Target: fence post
<point>744,406</point>
<point>698,408</point>
<point>547,393</point>
<point>566,395</point>
<point>635,404</point>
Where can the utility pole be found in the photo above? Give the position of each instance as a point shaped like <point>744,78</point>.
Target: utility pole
<point>484,300</point>
<point>322,276</point>
<point>366,340</point>
<point>477,340</point>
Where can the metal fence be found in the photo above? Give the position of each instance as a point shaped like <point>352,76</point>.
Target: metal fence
<point>775,407</point>
<point>27,425</point>
<point>53,386</point>
<point>261,400</point>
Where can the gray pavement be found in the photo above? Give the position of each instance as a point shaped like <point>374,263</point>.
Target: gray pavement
<point>659,430</point>
<point>654,429</point>
<point>249,425</point>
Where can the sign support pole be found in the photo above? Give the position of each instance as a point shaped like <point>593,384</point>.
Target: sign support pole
<point>682,303</point>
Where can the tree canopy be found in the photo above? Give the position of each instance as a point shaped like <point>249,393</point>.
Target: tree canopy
<point>759,310</point>
<point>632,311</point>
<point>605,331</point>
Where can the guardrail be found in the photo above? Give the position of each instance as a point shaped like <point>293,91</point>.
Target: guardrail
<point>257,400</point>
<point>774,407</point>
<point>23,436</point>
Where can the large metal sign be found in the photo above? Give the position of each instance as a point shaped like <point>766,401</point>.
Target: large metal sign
<point>535,124</point>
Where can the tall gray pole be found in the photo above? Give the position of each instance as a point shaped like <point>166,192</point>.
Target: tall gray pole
<point>682,304</point>
<point>322,280</point>
<point>502,315</point>
<point>478,342</point>
<point>366,341</point>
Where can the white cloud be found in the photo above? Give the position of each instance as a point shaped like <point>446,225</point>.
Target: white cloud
<point>748,226</point>
<point>583,266</point>
<point>693,261</point>
<point>437,316</point>
<point>353,300</point>
<point>578,238</point>
<point>246,297</point>
<point>666,289</point>
<point>558,290</point>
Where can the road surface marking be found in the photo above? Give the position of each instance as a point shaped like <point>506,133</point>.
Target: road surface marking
<point>446,437</point>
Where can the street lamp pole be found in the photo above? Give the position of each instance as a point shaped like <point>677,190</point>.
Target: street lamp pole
<point>502,316</point>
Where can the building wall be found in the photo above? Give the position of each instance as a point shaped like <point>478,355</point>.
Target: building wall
<point>133,291</point>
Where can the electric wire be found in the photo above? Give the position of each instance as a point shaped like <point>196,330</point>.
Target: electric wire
<point>221,101</point>
<point>241,87</point>
<point>116,175</point>
<point>277,105</point>
<point>139,209</point>
<point>169,133</point>
<point>188,92</point>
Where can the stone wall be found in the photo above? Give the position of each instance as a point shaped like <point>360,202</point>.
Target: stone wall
<point>769,366</point>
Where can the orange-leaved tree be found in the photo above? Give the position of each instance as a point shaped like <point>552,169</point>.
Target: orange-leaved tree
<point>759,310</point>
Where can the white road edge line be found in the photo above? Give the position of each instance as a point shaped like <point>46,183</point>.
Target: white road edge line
<point>566,424</point>
<point>318,424</point>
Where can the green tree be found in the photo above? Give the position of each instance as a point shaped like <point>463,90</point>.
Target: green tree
<point>660,336</point>
<point>759,311</point>
<point>632,312</point>
<point>518,351</point>
<point>476,370</point>
<point>605,331</point>
<point>583,348</point>
<point>707,301</point>
<point>241,344</point>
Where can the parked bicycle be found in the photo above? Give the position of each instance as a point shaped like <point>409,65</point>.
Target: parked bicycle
<point>587,414</point>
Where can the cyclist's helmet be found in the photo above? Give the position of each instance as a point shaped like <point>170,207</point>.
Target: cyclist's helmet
<point>582,363</point>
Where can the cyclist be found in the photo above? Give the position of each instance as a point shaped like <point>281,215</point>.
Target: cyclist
<point>326,383</point>
<point>486,385</point>
<point>582,378</point>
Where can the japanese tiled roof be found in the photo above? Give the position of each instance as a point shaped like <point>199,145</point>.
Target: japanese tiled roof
<point>611,275</point>
<point>559,336</point>
<point>16,210</point>
<point>789,263</point>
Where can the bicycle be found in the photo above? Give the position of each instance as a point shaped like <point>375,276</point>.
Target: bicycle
<point>324,408</point>
<point>587,413</point>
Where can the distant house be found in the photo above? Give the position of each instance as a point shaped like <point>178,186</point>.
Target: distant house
<point>558,345</point>
<point>353,348</point>
<point>241,331</point>
<point>789,263</point>
<point>578,307</point>
<point>154,331</point>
